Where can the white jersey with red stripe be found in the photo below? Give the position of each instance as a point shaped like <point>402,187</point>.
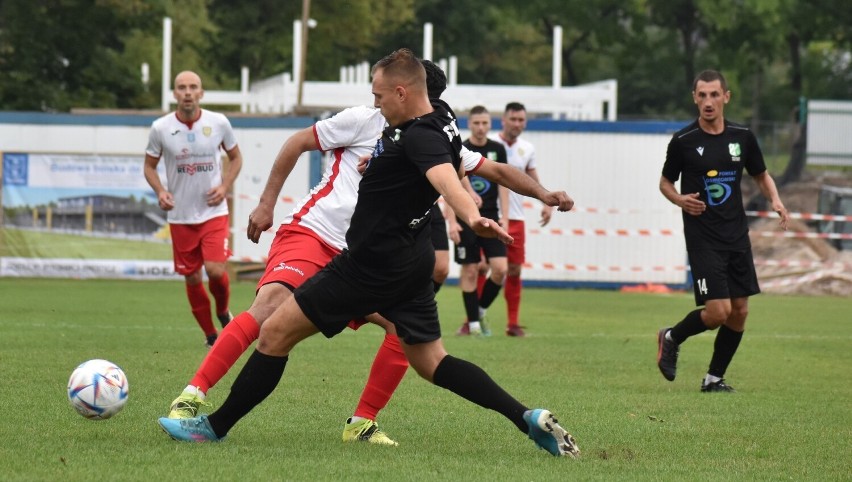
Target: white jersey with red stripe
<point>193,163</point>
<point>328,207</point>
<point>352,133</point>
<point>520,154</point>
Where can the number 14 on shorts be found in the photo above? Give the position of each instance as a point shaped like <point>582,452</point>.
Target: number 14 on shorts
<point>701,283</point>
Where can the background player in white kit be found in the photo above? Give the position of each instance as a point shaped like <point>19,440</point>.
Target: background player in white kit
<point>188,141</point>
<point>521,156</point>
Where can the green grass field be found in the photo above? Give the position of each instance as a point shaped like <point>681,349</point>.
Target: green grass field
<point>590,358</point>
<point>38,244</point>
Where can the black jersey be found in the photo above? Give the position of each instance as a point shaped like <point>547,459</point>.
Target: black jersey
<point>712,165</point>
<point>391,222</point>
<point>487,190</point>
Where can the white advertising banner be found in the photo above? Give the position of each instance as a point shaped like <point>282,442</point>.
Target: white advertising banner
<point>87,268</point>
<point>26,177</point>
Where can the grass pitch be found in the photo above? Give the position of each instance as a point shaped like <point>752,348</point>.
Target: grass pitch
<point>589,358</point>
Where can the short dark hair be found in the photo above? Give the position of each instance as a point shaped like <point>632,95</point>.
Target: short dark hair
<point>436,79</point>
<point>478,109</point>
<point>710,76</point>
<point>403,65</point>
<point>515,106</point>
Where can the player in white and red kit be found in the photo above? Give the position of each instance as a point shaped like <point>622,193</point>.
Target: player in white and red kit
<point>308,238</point>
<point>188,141</point>
<point>521,155</point>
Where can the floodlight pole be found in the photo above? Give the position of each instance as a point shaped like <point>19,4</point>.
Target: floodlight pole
<point>306,10</point>
<point>557,56</point>
<point>427,41</point>
<point>165,89</point>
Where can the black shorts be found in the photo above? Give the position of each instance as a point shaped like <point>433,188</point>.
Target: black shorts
<point>439,230</point>
<point>345,290</point>
<point>470,245</point>
<point>718,274</point>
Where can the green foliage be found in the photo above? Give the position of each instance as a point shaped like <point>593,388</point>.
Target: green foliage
<point>589,358</point>
<point>828,71</point>
<point>61,55</point>
<point>259,35</point>
<point>58,55</point>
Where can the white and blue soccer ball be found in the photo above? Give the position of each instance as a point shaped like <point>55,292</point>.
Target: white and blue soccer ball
<point>98,389</point>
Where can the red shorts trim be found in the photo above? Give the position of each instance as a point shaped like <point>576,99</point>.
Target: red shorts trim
<point>296,254</point>
<point>193,244</point>
<point>515,252</point>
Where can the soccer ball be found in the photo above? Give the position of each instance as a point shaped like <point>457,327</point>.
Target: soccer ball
<point>97,389</point>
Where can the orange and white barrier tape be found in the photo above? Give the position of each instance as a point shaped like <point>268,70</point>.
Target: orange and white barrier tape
<point>806,216</point>
<point>596,210</point>
<point>759,214</point>
<point>802,264</point>
<point>794,234</point>
<point>647,233</point>
<point>678,268</point>
<point>603,232</point>
<point>596,268</point>
<point>800,280</point>
<point>669,232</point>
<point>283,199</point>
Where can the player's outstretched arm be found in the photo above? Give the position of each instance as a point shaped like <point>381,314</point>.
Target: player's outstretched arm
<point>767,187</point>
<point>445,180</point>
<point>261,218</point>
<point>521,183</point>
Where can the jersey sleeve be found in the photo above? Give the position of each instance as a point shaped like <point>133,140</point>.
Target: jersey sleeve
<point>155,145</point>
<point>471,160</point>
<point>427,147</point>
<point>674,164</point>
<point>349,127</point>
<point>754,160</point>
<point>229,139</point>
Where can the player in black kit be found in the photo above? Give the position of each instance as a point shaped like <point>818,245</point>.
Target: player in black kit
<point>709,155</point>
<point>469,246</point>
<point>387,268</point>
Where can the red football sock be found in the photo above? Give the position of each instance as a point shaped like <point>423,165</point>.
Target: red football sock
<point>220,288</point>
<point>480,283</point>
<point>200,305</point>
<point>512,293</point>
<point>232,342</point>
<point>387,371</point>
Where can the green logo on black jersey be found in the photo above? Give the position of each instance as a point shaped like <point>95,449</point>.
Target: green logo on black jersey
<point>734,149</point>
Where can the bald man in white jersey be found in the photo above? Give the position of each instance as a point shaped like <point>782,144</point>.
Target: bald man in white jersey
<point>188,141</point>
<point>311,235</point>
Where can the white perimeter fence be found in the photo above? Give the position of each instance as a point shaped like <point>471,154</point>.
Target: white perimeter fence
<point>622,230</point>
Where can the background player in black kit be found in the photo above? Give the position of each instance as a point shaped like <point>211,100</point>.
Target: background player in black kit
<point>710,155</point>
<point>387,268</point>
<point>469,246</point>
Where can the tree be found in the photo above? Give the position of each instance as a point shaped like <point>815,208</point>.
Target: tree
<point>56,55</point>
<point>259,35</point>
<point>56,59</point>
